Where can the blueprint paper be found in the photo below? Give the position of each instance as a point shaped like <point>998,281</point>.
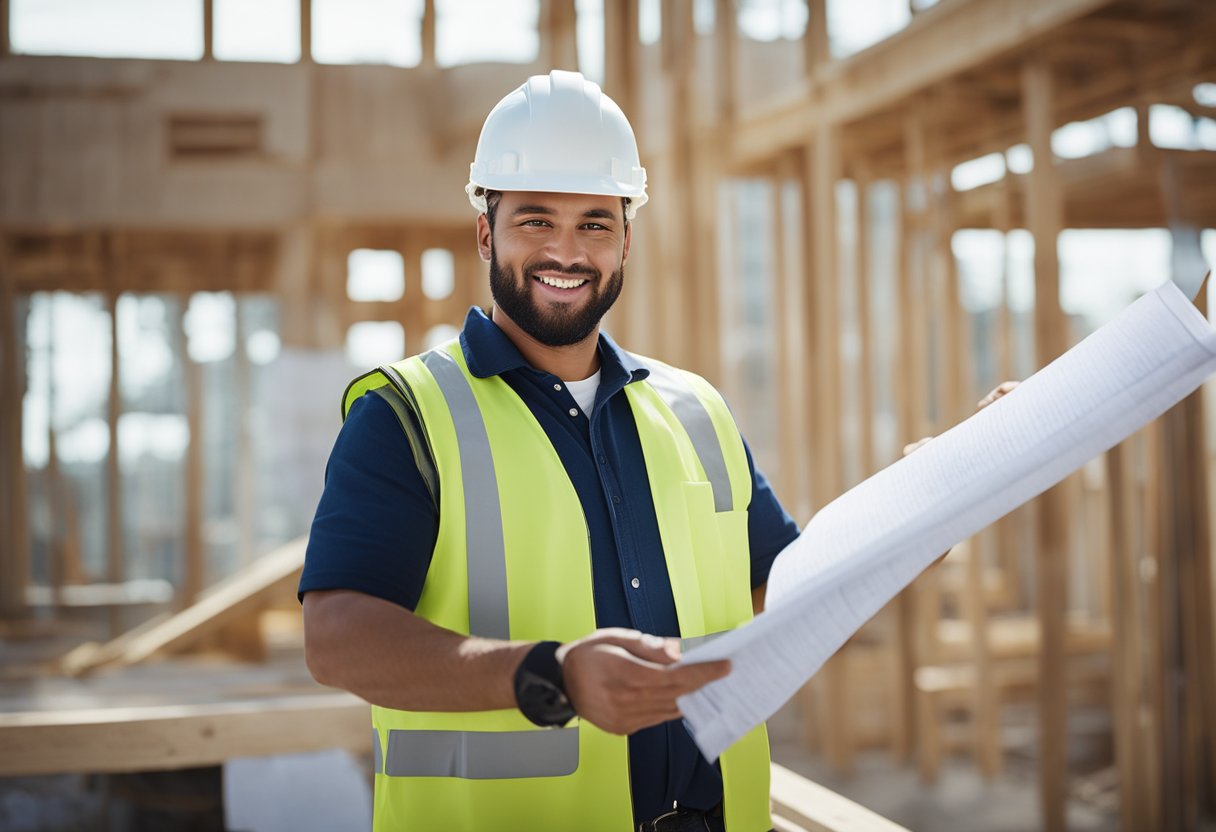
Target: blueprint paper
<point>862,549</point>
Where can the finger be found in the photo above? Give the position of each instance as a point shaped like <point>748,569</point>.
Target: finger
<point>913,446</point>
<point>654,650</point>
<point>689,677</point>
<point>995,393</point>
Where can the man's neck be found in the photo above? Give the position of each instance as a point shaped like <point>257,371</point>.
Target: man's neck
<point>571,363</point>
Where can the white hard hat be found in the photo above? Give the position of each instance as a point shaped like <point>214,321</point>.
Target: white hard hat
<point>558,133</point>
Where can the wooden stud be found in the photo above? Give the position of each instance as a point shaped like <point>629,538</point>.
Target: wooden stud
<point>209,28</point>
<point>305,31</point>
<point>793,347</point>
<point>558,34</point>
<point>726,46</point>
<point>1044,212</point>
<point>428,61</point>
<point>246,473</point>
<point>621,56</point>
<point>14,558</point>
<point>6,44</point>
<point>193,566</point>
<point>824,168</point>
<point>115,548</point>
<point>815,42</point>
<point>865,375</point>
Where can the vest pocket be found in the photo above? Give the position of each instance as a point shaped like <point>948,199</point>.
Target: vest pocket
<point>720,552</point>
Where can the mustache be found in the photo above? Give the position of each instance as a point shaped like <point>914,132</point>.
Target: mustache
<point>554,266</point>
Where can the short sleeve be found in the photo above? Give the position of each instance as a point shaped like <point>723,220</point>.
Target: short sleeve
<point>769,527</point>
<point>375,526</point>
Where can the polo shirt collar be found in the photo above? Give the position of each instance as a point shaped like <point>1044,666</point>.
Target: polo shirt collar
<point>489,352</point>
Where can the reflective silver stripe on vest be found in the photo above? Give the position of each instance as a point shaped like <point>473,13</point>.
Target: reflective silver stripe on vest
<point>486,552</point>
<point>700,429</point>
<point>482,755</point>
<point>377,753</point>
<point>687,644</point>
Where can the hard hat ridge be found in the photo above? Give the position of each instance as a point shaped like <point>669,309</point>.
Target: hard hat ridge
<point>559,133</point>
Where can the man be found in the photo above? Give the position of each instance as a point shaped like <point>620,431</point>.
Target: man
<point>517,525</point>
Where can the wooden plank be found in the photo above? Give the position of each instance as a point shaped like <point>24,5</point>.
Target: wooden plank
<point>815,42</point>
<point>157,737</point>
<point>824,168</point>
<point>6,46</point>
<point>726,52</point>
<point>115,571</point>
<point>620,57</point>
<point>428,34</point>
<point>14,540</point>
<point>1124,655</point>
<point>209,28</point>
<point>1044,212</point>
<point>816,809</point>
<point>305,31</point>
<point>232,600</point>
<point>557,34</point>
<point>793,347</point>
<point>865,375</point>
<point>192,527</point>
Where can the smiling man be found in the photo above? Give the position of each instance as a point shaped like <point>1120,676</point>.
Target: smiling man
<point>519,526</point>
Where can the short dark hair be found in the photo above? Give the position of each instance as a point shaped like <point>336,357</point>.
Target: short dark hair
<point>494,197</point>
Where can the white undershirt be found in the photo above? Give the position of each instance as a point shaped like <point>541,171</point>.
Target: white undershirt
<point>584,392</point>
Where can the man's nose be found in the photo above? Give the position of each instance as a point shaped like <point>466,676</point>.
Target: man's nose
<point>564,247</point>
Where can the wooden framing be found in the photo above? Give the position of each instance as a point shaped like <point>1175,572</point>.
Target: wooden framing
<point>340,167</point>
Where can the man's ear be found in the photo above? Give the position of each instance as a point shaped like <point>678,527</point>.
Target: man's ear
<point>628,239</point>
<point>484,242</point>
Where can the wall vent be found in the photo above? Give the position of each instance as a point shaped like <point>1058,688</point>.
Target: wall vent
<point>214,136</point>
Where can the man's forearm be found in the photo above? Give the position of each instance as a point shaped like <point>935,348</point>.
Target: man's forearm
<point>391,657</point>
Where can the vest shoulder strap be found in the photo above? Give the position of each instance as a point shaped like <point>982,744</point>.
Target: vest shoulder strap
<point>388,383</point>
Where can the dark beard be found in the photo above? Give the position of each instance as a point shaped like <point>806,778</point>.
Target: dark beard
<point>554,324</point>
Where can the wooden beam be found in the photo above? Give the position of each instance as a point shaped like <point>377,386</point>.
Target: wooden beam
<point>428,35</point>
<point>823,170</point>
<point>558,34</point>
<point>238,598</point>
<point>191,580</point>
<point>14,554</point>
<point>1044,214</point>
<point>209,29</point>
<point>816,44</point>
<point>157,737</point>
<point>621,56</point>
<point>6,44</point>
<point>813,808</point>
<point>726,47</point>
<point>943,41</point>
<point>305,31</point>
<point>115,571</point>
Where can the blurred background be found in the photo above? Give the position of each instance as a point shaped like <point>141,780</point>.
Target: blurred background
<point>864,214</point>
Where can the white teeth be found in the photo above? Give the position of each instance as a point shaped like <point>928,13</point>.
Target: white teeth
<point>559,283</point>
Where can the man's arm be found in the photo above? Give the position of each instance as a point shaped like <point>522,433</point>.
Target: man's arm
<point>619,680</point>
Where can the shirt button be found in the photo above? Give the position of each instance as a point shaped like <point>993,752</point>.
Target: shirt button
<point>616,498</point>
<point>635,583</point>
<point>557,387</point>
<point>603,460</point>
<point>573,411</point>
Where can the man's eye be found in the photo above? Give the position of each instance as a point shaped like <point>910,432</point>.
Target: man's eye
<point>535,223</point>
<point>595,226</point>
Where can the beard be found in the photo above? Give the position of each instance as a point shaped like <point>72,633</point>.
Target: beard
<point>553,323</point>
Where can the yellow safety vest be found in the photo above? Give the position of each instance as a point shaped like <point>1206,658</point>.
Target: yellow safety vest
<point>513,561</point>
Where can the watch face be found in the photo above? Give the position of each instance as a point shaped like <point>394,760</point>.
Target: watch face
<point>542,701</point>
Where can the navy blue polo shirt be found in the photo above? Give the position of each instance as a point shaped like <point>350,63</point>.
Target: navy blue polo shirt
<point>376,526</point>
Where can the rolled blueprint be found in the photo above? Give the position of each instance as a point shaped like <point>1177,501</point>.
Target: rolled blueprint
<point>862,549</point>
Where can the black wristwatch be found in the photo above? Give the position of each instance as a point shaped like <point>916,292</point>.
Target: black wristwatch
<point>539,690</point>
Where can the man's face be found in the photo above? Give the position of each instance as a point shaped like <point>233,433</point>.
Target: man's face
<point>556,262</point>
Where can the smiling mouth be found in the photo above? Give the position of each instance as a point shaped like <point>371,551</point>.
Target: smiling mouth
<point>560,283</point>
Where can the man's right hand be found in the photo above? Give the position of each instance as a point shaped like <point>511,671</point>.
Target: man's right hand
<point>623,681</point>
